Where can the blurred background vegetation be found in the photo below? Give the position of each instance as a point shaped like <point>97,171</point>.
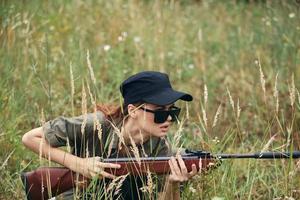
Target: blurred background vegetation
<point>240,60</point>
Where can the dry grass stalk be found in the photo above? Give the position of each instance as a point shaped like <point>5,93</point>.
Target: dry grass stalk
<point>83,108</point>
<point>297,169</point>
<point>116,184</point>
<point>230,99</point>
<point>72,88</point>
<point>68,145</point>
<point>4,164</point>
<point>268,144</point>
<point>238,110</point>
<point>42,119</point>
<point>142,142</point>
<point>262,79</point>
<point>149,187</point>
<point>205,95</point>
<point>42,122</point>
<point>96,124</point>
<point>298,95</point>
<point>219,111</point>
<point>91,96</point>
<point>87,152</point>
<point>135,150</point>
<point>90,67</point>
<point>178,134</point>
<point>72,81</point>
<point>275,94</point>
<point>292,91</point>
<point>118,133</point>
<point>48,184</point>
<point>204,117</point>
<point>111,145</point>
<point>187,111</point>
<point>200,35</point>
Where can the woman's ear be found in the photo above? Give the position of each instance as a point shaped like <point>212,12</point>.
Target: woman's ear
<point>132,111</point>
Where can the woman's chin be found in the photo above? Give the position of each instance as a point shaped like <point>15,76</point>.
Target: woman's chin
<point>163,133</point>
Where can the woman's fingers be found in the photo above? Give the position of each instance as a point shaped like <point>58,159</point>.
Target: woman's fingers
<point>200,164</point>
<point>108,165</point>
<point>175,166</point>
<point>99,171</point>
<point>182,165</point>
<point>107,175</point>
<point>172,167</point>
<point>194,171</point>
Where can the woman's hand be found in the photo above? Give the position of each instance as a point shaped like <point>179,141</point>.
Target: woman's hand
<point>92,167</point>
<point>179,171</point>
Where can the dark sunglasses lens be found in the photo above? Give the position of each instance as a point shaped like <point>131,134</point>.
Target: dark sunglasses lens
<point>174,114</point>
<point>160,116</point>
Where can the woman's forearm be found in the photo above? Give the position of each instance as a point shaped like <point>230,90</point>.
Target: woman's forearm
<point>35,141</point>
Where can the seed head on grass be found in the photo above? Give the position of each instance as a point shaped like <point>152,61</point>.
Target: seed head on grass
<point>238,110</point>
<point>148,188</point>
<point>292,91</point>
<point>178,134</point>
<point>219,111</point>
<point>111,145</point>
<point>205,95</point>
<point>230,99</point>
<point>115,185</point>
<point>135,150</point>
<point>118,133</point>
<point>97,125</point>
<point>90,67</point>
<point>275,94</point>
<point>262,79</point>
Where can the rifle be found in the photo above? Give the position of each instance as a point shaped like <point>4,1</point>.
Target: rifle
<point>45,182</point>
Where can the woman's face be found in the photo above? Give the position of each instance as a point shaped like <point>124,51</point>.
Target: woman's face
<point>145,120</point>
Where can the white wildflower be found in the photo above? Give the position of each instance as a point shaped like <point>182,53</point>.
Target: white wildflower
<point>191,66</point>
<point>137,39</point>
<point>292,15</point>
<point>106,47</point>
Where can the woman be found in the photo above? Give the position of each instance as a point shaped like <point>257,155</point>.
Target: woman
<point>140,125</point>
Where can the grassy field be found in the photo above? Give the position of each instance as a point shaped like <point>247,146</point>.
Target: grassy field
<point>239,59</point>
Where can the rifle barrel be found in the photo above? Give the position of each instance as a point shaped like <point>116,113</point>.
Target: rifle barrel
<point>203,155</point>
<point>262,155</point>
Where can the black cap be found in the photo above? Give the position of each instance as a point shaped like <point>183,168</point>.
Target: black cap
<point>151,87</point>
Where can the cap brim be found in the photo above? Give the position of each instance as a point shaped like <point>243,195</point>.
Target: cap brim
<point>167,96</point>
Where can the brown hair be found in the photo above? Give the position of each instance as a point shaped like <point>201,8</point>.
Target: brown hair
<point>114,112</point>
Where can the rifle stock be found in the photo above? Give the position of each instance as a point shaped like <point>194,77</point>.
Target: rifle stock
<point>52,181</point>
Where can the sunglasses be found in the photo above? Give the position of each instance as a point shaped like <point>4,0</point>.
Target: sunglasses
<point>160,116</point>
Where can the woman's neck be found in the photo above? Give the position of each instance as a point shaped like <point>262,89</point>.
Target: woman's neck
<point>131,133</point>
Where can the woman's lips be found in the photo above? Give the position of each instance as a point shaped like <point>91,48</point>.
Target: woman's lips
<point>164,128</point>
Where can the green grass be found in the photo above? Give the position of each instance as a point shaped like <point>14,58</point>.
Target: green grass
<point>198,43</point>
